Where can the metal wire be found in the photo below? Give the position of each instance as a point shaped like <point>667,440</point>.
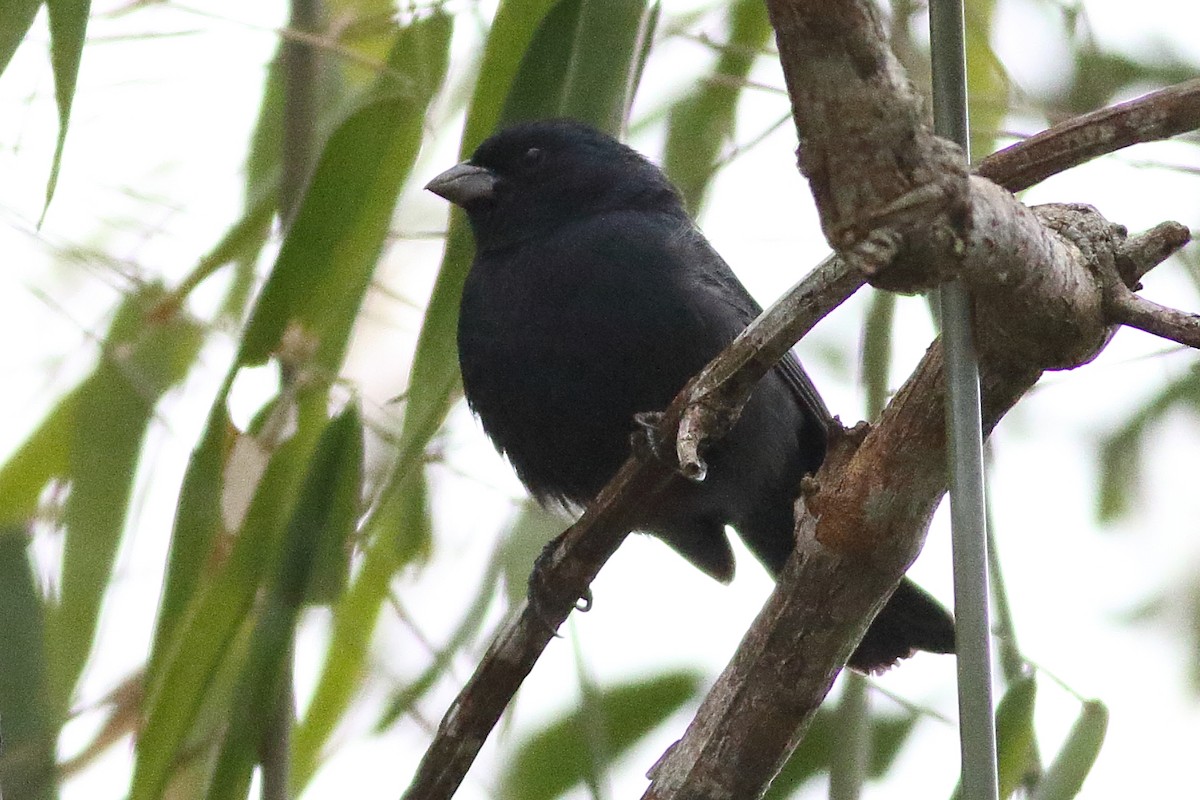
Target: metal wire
<point>977,733</point>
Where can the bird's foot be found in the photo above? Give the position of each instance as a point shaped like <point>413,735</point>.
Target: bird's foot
<point>645,440</point>
<point>544,597</point>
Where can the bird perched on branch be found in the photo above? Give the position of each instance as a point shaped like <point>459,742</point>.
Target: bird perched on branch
<point>592,298</point>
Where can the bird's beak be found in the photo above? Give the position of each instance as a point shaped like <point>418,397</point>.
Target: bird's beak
<point>464,184</point>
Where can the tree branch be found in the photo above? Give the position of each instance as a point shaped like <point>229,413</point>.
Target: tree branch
<point>1159,115</point>
<point>1178,326</point>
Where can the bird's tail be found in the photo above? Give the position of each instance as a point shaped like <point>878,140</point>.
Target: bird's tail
<point>910,621</point>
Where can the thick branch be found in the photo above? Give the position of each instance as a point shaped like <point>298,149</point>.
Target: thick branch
<point>888,486</point>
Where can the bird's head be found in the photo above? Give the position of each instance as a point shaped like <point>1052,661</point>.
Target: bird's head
<point>529,179</point>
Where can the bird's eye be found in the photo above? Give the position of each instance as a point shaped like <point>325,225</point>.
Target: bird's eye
<point>532,157</point>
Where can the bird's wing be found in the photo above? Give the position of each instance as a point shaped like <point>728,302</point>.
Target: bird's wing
<point>725,289</point>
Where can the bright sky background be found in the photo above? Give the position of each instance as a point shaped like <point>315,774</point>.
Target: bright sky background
<point>151,178</point>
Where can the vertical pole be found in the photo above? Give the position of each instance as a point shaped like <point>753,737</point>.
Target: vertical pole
<point>977,734</point>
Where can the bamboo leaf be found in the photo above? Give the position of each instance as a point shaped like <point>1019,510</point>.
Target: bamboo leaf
<point>27,765</point>
<point>815,752</point>
<point>702,123</point>
<point>68,28</point>
<point>1120,453</point>
<point>1064,777</point>
<point>16,16</point>
<point>143,356</point>
<point>316,550</point>
<point>1014,735</point>
<point>561,755</point>
<point>323,514</point>
<point>220,608</point>
<point>44,456</point>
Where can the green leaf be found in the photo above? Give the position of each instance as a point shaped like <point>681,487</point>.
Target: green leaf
<point>988,83</point>
<point>553,760</point>
<point>320,522</point>
<point>509,41</point>
<point>45,455</point>
<point>401,530</point>
<point>219,608</point>
<point>316,554</point>
<point>1064,777</point>
<point>538,89</point>
<point>876,357</point>
<point>1120,453</point>
<point>15,18</point>
<point>197,525</point>
<point>1014,735</point>
<point>702,123</point>
<point>815,752</point>
<point>144,355</point>
<point>529,535</point>
<point>329,254</point>
<point>68,29</point>
<point>27,765</point>
<point>600,80</point>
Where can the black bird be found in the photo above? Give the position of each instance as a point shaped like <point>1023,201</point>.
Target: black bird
<point>594,297</point>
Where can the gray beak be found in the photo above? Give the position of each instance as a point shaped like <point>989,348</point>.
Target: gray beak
<point>464,184</point>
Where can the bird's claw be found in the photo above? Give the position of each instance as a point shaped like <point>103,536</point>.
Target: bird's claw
<point>645,440</point>
<point>541,595</point>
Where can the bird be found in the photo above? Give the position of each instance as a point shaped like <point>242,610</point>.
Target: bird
<point>592,298</point>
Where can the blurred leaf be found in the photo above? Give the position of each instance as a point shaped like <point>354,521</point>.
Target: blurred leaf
<point>1014,735</point>
<point>323,514</point>
<point>987,79</point>
<point>509,43</point>
<point>45,455</point>
<point>1065,776</point>
<point>538,88</point>
<point>194,536</point>
<point>316,557</point>
<point>463,634</point>
<point>557,758</point>
<point>702,124</point>
<point>815,752</point>
<point>68,28</point>
<point>1120,453</point>
<point>143,356</point>
<point>220,608</point>
<point>27,766</point>
<point>525,540</point>
<point>876,356</point>
<point>1099,75</point>
<point>331,249</point>
<point>401,534</point>
<point>599,83</point>
<point>15,18</point>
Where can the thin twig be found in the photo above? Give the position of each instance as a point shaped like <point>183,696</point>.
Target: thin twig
<point>1158,115</point>
<point>1130,309</point>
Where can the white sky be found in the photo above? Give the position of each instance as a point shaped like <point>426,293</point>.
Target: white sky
<point>151,178</point>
